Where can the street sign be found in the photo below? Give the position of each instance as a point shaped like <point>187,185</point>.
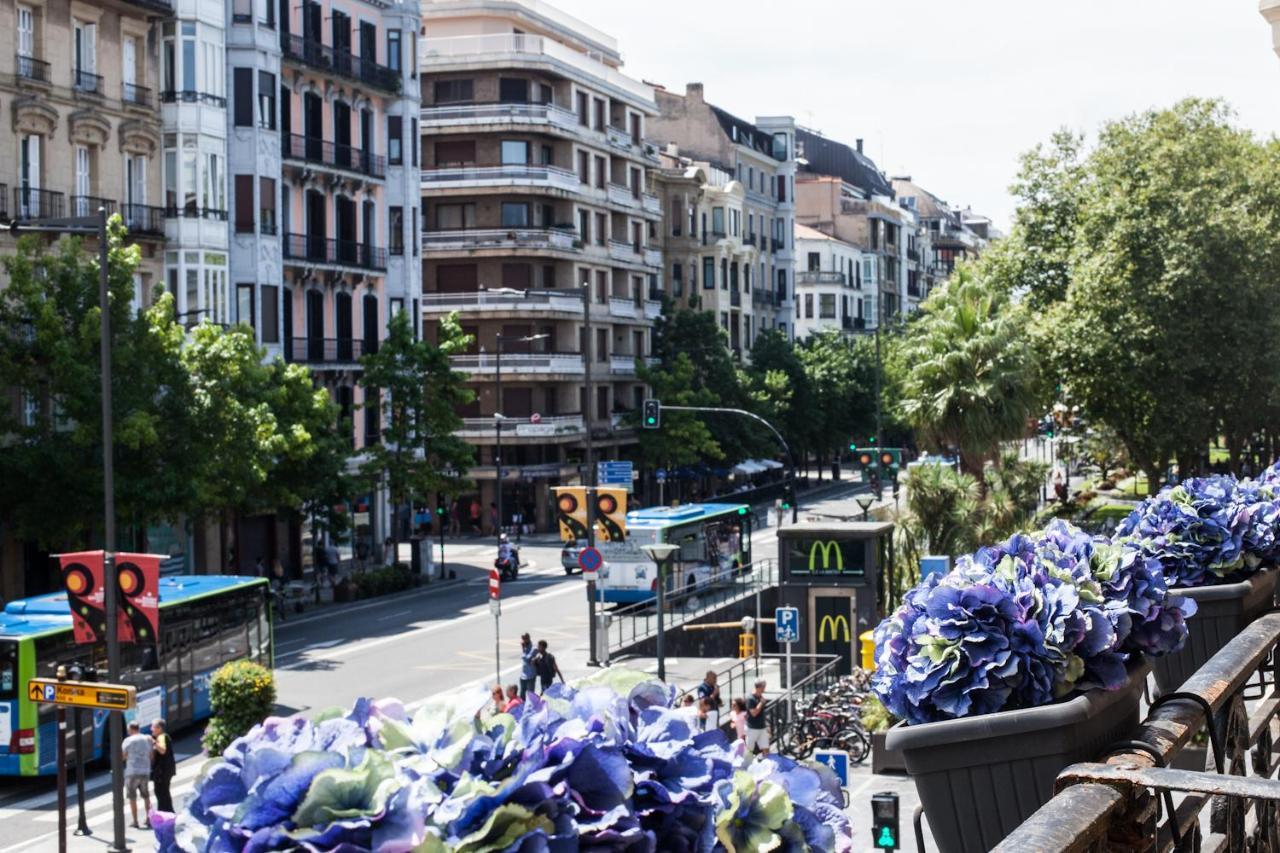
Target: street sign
<point>660,475</point>
<point>495,607</point>
<point>837,760</point>
<point>495,584</point>
<point>82,694</point>
<point>613,473</point>
<point>786,624</point>
<point>535,418</point>
<point>590,559</point>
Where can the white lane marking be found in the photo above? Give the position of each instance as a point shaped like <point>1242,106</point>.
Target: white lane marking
<point>323,644</point>
<point>395,615</point>
<point>98,782</point>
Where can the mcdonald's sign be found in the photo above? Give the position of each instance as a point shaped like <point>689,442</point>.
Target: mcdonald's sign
<point>826,549</point>
<point>834,624</point>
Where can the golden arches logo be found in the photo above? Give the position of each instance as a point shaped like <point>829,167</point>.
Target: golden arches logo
<point>834,623</point>
<point>826,548</point>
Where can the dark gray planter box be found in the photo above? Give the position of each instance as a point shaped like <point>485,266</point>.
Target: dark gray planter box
<point>883,759</point>
<point>979,777</point>
<point>1222,611</point>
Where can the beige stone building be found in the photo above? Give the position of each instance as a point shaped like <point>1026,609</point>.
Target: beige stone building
<point>83,127</point>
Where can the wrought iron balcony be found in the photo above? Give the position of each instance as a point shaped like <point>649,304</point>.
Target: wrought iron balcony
<point>87,205</point>
<point>194,211</point>
<point>312,150</point>
<point>819,277</point>
<point>31,203</point>
<point>86,81</point>
<point>143,218</point>
<point>30,68</point>
<point>322,57</point>
<point>132,93</point>
<point>344,351</point>
<point>190,96</point>
<point>325,250</point>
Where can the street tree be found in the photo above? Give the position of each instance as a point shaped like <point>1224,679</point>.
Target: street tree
<point>841,378</point>
<point>418,395</point>
<point>964,373</point>
<point>685,438</point>
<point>51,458</point>
<point>779,391</point>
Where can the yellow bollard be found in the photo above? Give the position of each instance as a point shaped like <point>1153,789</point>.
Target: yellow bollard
<point>746,645</point>
<point>868,640</point>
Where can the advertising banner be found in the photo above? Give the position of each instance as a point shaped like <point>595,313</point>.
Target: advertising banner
<point>138,576</point>
<point>611,514</point>
<point>571,513</point>
<point>82,578</point>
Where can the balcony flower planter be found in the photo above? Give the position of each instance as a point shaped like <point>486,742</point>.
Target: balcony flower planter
<point>979,777</point>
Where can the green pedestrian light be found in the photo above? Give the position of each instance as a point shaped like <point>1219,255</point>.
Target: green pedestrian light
<point>884,820</point>
<point>885,840</point>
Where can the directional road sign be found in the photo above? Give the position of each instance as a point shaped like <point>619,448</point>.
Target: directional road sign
<point>837,760</point>
<point>786,624</point>
<point>660,475</point>
<point>613,473</point>
<point>590,559</point>
<point>82,694</point>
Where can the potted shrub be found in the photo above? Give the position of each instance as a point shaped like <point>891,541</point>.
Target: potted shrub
<point>1025,658</point>
<point>1215,539</point>
<point>605,764</point>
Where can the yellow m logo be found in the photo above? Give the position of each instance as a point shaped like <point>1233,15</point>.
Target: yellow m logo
<point>834,623</point>
<point>826,548</point>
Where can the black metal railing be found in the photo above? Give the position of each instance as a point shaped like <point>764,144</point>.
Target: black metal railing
<point>323,350</point>
<point>30,68</point>
<point>132,93</point>
<point>312,150</point>
<point>29,203</point>
<point>326,250</point>
<point>266,226</point>
<point>190,96</point>
<point>86,81</point>
<point>87,205</point>
<point>324,58</point>
<point>192,211</point>
<point>143,218</point>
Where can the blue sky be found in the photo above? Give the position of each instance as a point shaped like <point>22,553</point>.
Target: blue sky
<point>950,92</point>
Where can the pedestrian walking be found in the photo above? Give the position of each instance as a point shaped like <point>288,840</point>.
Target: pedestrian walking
<point>547,668</point>
<point>475,515</point>
<point>528,674</point>
<point>164,765</point>
<point>136,749</point>
<point>739,715</point>
<point>455,518</point>
<point>709,691</point>
<point>757,728</point>
<point>778,512</point>
<point>513,699</point>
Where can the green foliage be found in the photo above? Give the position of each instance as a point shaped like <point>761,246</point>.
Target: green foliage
<point>875,716</point>
<point>418,393</point>
<point>841,378</point>
<point>779,390</point>
<point>241,694</point>
<point>384,580</point>
<point>964,369</point>
<point>684,438</point>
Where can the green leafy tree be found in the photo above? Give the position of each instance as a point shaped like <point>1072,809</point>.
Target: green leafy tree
<point>419,394</point>
<point>779,391</point>
<point>964,370</point>
<point>51,459</point>
<point>685,438</point>
<point>841,378</point>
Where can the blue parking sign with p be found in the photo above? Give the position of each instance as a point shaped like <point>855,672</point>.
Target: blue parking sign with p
<point>50,692</point>
<point>786,624</point>
<point>837,761</point>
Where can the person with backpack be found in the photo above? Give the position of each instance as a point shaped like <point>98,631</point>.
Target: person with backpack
<point>547,668</point>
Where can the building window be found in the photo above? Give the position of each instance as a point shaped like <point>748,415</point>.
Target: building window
<point>584,167</point>
<point>808,306</point>
<point>397,230</point>
<point>455,91</point>
<point>266,205</point>
<point>708,273</point>
<point>244,305</point>
<point>677,279</point>
<point>584,226</point>
<point>515,152</point>
<point>602,173</point>
<point>717,221</point>
<point>266,100</point>
<point>242,94</point>
<point>724,273</point>
<point>455,216</point>
<point>513,90</point>
<point>415,141</point>
<point>415,238</point>
<point>782,284</point>
<point>826,306</point>
<point>515,214</point>
<point>815,261</point>
<point>395,141</point>
<point>393,50</point>
<point>244,204</point>
<point>270,314</point>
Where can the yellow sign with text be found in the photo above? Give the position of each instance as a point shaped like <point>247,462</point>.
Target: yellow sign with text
<point>82,694</point>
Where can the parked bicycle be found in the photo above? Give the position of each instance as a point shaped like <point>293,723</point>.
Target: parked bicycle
<point>831,720</point>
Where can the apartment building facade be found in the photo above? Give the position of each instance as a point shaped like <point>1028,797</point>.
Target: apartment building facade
<point>945,236</point>
<point>727,187</point>
<point>829,285</point>
<point>540,232</point>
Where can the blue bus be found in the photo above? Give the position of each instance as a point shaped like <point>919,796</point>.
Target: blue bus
<point>714,540</point>
<point>205,621</point>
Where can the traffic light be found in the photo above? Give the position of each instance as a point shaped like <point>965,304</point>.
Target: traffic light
<point>652,414</point>
<point>872,441</point>
<point>853,445</point>
<point>788,496</point>
<point>884,821</point>
<point>890,457</point>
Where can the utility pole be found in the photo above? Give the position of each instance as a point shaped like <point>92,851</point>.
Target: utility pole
<point>879,369</point>
<point>589,477</point>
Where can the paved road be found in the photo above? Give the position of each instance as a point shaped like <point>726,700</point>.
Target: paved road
<point>412,646</point>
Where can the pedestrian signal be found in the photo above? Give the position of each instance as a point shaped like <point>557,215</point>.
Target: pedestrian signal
<point>884,820</point>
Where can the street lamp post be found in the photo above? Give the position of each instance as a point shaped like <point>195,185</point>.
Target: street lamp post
<point>589,477</point>
<point>660,553</point>
<point>498,417</point>
<point>864,503</point>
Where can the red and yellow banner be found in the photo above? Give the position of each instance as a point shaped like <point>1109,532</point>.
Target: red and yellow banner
<point>138,576</point>
<point>138,600</point>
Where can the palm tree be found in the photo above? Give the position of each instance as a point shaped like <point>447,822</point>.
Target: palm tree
<point>964,370</point>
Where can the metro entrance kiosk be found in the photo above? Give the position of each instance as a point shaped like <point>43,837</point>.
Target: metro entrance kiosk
<point>839,576</point>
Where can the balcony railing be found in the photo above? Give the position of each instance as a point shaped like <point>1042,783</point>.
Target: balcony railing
<point>87,205</point>
<point>652,257</point>
<point>551,176</point>
<point>339,156</point>
<point>132,93</point>
<point>488,113</point>
<point>326,250</point>
<point>819,277</point>
<point>520,362</point>
<point>620,307</point>
<point>618,194</point>
<point>30,68</point>
<point>29,203</point>
<point>193,211</point>
<point>143,218</point>
<point>623,251</point>
<point>652,309</point>
<point>505,300</point>
<point>86,81</point>
<point>622,364</point>
<point>651,203</point>
<point>190,96</point>
<point>547,425</point>
<point>344,351</point>
<point>324,58</point>
<point>501,238</point>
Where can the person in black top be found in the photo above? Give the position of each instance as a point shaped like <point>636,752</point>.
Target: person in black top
<point>757,730</point>
<point>163,766</point>
<point>547,668</point>
<point>709,691</point>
